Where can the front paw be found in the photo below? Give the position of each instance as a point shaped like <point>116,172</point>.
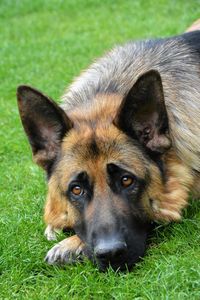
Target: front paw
<point>66,252</point>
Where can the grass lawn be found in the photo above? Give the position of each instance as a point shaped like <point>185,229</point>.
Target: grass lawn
<point>46,43</point>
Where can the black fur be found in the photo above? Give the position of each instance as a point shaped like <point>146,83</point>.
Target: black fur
<point>192,39</point>
<point>143,114</point>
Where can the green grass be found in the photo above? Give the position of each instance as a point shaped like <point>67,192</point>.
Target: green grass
<point>45,44</point>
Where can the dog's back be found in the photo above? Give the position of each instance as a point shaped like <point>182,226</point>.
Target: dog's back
<point>177,59</point>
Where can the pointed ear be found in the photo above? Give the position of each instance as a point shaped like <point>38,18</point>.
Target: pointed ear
<point>143,114</point>
<point>44,122</point>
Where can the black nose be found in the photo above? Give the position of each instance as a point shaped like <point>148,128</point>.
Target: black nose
<point>110,250</point>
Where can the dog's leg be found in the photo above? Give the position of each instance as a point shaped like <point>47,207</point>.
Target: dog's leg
<point>51,233</point>
<point>66,252</point>
<point>56,214</point>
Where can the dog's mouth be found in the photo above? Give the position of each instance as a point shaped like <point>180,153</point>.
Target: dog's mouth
<point>121,262</point>
<point>118,251</point>
<point>120,256</point>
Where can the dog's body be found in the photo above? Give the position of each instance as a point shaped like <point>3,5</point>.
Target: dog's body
<point>178,62</point>
<point>123,150</point>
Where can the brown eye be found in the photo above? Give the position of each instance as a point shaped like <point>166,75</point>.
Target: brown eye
<point>126,181</point>
<point>77,190</point>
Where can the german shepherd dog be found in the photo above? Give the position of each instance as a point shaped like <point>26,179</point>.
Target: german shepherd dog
<point>121,151</point>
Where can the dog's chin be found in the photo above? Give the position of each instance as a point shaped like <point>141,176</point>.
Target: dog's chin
<point>123,264</point>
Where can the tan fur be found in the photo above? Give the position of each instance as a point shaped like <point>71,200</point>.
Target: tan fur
<point>196,186</point>
<point>72,243</point>
<point>58,212</point>
<point>172,197</point>
<point>168,200</point>
<point>68,249</point>
<point>103,112</point>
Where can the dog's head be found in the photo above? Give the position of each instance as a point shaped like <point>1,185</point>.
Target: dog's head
<point>104,165</point>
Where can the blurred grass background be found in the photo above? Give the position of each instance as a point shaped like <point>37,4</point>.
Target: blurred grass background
<point>45,44</point>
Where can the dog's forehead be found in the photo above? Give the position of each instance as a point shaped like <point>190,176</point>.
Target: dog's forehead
<point>91,151</point>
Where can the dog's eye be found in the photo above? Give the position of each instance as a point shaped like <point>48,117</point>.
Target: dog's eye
<point>77,190</point>
<point>126,181</point>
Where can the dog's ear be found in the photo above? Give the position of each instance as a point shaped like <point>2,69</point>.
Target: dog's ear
<point>143,115</point>
<point>45,124</point>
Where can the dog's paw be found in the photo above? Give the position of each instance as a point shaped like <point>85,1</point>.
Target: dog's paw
<point>51,233</point>
<point>66,252</point>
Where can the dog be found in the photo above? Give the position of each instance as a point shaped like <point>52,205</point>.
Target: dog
<point>121,151</point>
